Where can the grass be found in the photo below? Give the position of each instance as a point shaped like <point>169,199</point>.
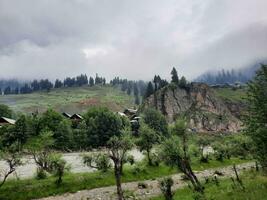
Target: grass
<point>236,95</point>
<point>73,100</point>
<point>255,189</point>
<point>32,188</point>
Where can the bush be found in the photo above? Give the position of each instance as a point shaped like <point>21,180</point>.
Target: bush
<point>41,174</point>
<point>166,188</point>
<point>99,161</point>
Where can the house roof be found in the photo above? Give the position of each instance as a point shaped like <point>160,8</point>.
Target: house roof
<point>66,114</point>
<point>121,114</point>
<point>128,110</point>
<point>76,116</point>
<point>7,120</point>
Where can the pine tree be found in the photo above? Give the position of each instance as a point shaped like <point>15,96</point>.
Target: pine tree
<point>182,82</point>
<point>149,89</point>
<point>256,118</point>
<point>175,78</point>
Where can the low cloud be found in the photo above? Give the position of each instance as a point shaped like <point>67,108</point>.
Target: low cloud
<point>133,39</point>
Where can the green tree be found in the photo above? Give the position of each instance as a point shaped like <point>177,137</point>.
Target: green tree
<point>256,119</point>
<point>40,147</point>
<point>155,120</point>
<point>58,166</point>
<point>99,161</point>
<point>50,120</point>
<point>175,78</point>
<point>166,188</point>
<point>147,139</point>
<point>12,158</point>
<point>174,152</point>
<point>149,89</point>
<point>101,125</point>
<point>63,135</point>
<point>182,82</point>
<point>21,130</point>
<point>5,111</point>
<point>118,146</point>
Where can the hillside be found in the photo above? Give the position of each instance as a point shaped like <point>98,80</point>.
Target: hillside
<point>72,100</point>
<point>205,108</point>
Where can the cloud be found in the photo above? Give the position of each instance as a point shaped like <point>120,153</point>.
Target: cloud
<point>134,39</point>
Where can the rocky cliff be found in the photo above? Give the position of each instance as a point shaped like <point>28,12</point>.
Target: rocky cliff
<point>198,103</point>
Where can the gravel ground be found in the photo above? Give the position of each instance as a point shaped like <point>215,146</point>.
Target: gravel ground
<point>73,159</point>
<point>109,193</point>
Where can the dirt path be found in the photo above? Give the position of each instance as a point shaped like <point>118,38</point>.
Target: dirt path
<point>108,193</point>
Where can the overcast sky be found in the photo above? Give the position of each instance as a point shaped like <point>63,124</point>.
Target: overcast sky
<point>129,38</point>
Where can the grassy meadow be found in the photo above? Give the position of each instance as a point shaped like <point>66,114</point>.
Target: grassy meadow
<point>72,100</point>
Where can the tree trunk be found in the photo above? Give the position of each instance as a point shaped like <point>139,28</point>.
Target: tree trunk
<point>149,158</point>
<point>192,177</point>
<point>117,171</point>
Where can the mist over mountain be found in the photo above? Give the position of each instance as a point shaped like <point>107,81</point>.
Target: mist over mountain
<point>223,76</point>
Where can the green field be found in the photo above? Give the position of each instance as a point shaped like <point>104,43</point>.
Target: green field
<point>235,95</point>
<point>255,189</point>
<point>72,100</point>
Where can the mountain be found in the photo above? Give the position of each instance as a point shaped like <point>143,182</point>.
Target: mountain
<point>204,109</point>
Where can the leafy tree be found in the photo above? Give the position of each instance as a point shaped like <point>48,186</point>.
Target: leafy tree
<point>101,125</point>
<point>50,120</point>
<point>5,111</point>
<point>118,146</point>
<point>63,135</point>
<point>147,139</point>
<point>175,78</point>
<point>80,137</point>
<point>13,160</point>
<point>256,119</point>
<point>58,166</point>
<point>175,153</point>
<point>40,147</point>
<point>155,120</point>
<point>166,188</point>
<point>21,131</point>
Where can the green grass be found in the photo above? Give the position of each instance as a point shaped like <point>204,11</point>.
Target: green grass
<point>32,188</point>
<point>73,100</point>
<point>230,94</point>
<point>255,189</point>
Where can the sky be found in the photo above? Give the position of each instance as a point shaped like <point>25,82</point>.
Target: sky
<point>134,39</point>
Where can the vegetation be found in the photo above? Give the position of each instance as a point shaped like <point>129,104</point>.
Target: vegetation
<point>234,95</point>
<point>256,118</point>
<point>101,125</point>
<point>166,188</point>
<point>69,99</point>
<point>5,111</point>
<point>255,188</point>
<point>147,139</point>
<point>155,120</point>
<point>175,153</point>
<point>35,188</point>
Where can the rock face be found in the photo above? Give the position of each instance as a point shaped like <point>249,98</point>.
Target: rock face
<point>198,103</point>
